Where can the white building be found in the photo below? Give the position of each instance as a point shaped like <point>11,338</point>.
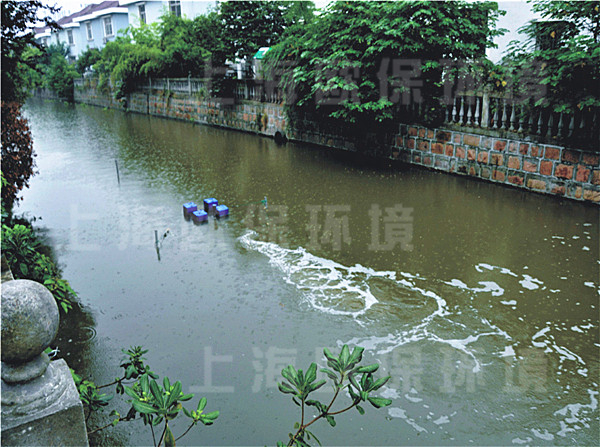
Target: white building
<point>97,24</point>
<point>149,11</point>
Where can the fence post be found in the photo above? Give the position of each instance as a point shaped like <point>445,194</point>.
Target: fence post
<point>190,84</point>
<point>40,403</point>
<point>485,109</point>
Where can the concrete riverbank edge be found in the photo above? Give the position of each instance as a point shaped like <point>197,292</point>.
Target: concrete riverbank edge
<point>542,168</point>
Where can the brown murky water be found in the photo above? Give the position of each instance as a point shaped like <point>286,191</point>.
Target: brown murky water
<point>480,301</point>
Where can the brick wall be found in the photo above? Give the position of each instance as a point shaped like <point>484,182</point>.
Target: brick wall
<point>542,168</point>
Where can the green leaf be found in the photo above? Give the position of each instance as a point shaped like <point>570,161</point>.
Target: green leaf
<point>202,404</point>
<point>285,388</point>
<point>315,386</point>
<point>344,356</point>
<point>328,354</point>
<point>185,397</point>
<point>169,438</point>
<point>360,409</point>
<point>330,374</point>
<point>379,383</point>
<point>289,372</point>
<point>379,402</point>
<point>354,382</point>
<point>367,368</point>
<point>175,393</point>
<point>157,421</point>
<point>143,407</point>
<point>157,394</point>
<point>311,373</point>
<point>331,420</point>
<point>357,353</point>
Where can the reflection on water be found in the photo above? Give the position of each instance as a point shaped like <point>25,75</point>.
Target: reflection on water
<point>480,301</point>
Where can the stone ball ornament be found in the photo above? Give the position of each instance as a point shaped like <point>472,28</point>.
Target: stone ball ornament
<point>30,321</point>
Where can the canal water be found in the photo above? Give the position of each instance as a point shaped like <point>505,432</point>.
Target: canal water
<point>480,301</point>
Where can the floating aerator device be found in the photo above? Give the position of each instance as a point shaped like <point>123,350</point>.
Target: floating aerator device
<point>208,204</point>
<point>199,216</point>
<point>222,211</point>
<point>189,208</point>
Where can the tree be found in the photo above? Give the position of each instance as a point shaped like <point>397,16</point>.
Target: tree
<point>250,25</point>
<point>17,152</point>
<point>17,36</point>
<point>58,72</point>
<point>188,44</point>
<point>560,58</point>
<point>357,61</point>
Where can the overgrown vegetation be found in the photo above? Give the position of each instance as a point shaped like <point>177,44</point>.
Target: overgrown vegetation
<point>356,64</point>
<point>558,65</point>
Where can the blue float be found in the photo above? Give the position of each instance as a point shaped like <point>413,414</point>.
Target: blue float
<point>189,208</point>
<point>199,216</point>
<point>208,204</point>
<point>222,211</point>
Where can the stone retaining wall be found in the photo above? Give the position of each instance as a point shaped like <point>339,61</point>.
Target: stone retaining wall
<point>541,168</point>
<point>524,164</point>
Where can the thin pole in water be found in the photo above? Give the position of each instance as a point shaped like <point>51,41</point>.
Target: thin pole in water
<point>156,244</point>
<point>118,176</point>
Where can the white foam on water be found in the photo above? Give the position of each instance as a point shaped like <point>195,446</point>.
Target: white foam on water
<point>400,413</point>
<point>577,415</point>
<point>509,351</point>
<point>509,303</point>
<point>586,248</point>
<point>442,420</point>
<point>589,284</point>
<point>487,286</point>
<point>522,441</point>
<point>325,283</point>
<point>528,282</point>
<point>546,436</point>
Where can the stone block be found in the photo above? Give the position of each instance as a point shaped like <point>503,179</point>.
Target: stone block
<point>564,171</point>
<point>571,156</point>
<point>546,167</point>
<point>514,163</point>
<point>499,145</point>
<point>552,152</point>
<point>33,416</point>
<point>583,174</point>
<point>471,140</point>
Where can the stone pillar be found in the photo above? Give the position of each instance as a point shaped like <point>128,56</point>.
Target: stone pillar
<point>40,403</point>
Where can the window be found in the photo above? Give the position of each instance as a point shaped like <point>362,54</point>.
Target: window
<point>142,13</point>
<point>88,28</point>
<point>70,37</point>
<point>108,30</point>
<point>175,8</point>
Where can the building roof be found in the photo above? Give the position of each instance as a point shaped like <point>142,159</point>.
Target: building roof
<point>90,10</point>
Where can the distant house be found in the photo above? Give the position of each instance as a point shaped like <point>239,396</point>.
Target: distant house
<point>149,11</point>
<point>91,27</point>
<point>100,24</point>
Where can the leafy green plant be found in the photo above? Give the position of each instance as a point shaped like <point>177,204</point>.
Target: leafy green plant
<point>91,398</point>
<point>21,247</point>
<point>155,404</point>
<point>346,374</point>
